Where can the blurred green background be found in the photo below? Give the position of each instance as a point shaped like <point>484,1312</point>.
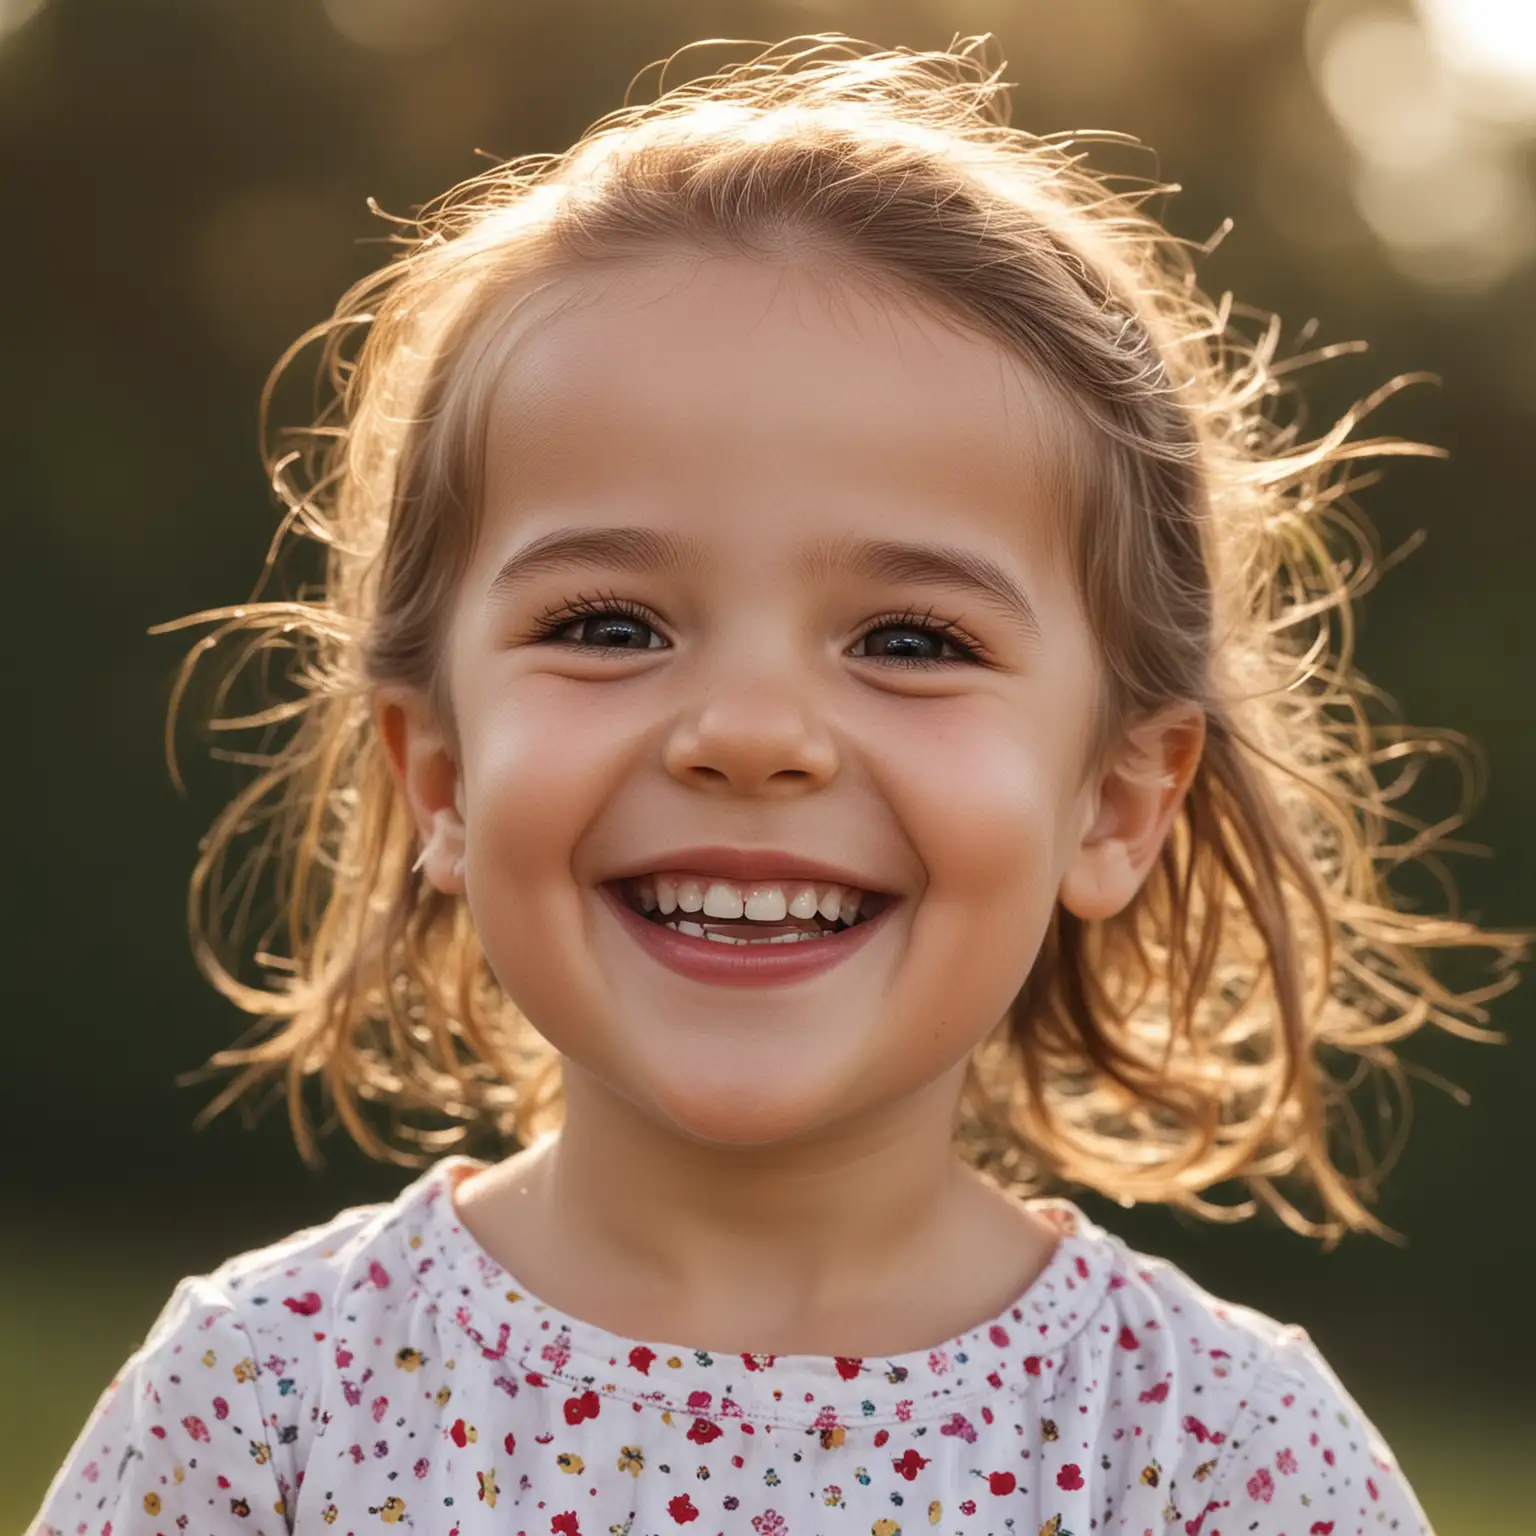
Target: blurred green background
<point>186,182</point>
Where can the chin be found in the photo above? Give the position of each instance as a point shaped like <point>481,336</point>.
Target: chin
<point>741,1109</point>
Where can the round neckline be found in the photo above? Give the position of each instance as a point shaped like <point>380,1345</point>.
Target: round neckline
<point>509,1324</point>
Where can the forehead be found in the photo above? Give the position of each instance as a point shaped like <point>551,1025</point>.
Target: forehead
<point>695,385</point>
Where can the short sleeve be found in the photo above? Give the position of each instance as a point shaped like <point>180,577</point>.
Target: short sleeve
<point>1305,1461</point>
<point>178,1441</point>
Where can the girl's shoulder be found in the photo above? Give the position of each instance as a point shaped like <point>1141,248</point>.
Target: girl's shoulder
<point>219,1405</point>
<point>1243,1409</point>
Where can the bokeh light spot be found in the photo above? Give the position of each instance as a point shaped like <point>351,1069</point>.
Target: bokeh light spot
<point>1493,42</point>
<point>1385,90</point>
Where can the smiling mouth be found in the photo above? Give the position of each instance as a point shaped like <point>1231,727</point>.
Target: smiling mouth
<point>749,912</point>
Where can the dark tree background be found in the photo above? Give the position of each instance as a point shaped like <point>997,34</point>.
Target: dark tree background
<point>186,185</point>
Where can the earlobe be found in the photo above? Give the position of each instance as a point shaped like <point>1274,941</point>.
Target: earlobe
<point>427,775</point>
<point>1138,796</point>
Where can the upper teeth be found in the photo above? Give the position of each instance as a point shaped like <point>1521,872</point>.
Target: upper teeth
<point>758,902</point>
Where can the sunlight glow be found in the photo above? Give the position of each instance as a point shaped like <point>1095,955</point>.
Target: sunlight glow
<point>1493,44</point>
<point>392,26</point>
<point>15,14</point>
<point>1437,174</point>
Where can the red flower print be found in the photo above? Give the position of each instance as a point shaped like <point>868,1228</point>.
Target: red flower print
<point>195,1427</point>
<point>1322,1528</point>
<point>640,1358</point>
<point>1000,1482</point>
<point>1193,1426</point>
<point>220,1409</point>
<point>1328,1456</point>
<point>1081,1266</point>
<point>1032,1365</point>
<point>1070,1477</point>
<point>1192,1527</point>
<point>1128,1340</point>
<point>1285,1462</point>
<point>1261,1486</point>
<point>849,1366</point>
<point>1370,1487</point>
<point>968,1506</point>
<point>343,1358</point>
<point>960,1426</point>
<point>698,1402</point>
<point>881,1436</point>
<point>999,1335</point>
<point>422,1467</point>
<point>565,1524</point>
<point>703,1431</point>
<point>378,1274</point>
<point>584,1407</point>
<point>306,1305</point>
<point>909,1464</point>
<point>510,1443</point>
<point>459,1434</point>
<point>769,1523</point>
<point>379,1407</point>
<point>681,1509</point>
<point>1157,1394</point>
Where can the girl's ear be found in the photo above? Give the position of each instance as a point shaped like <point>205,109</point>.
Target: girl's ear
<point>1129,810</point>
<point>425,769</point>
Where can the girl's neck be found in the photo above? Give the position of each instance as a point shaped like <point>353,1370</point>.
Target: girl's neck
<point>843,1247</point>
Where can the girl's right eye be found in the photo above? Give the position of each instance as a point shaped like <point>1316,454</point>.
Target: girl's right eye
<point>601,629</point>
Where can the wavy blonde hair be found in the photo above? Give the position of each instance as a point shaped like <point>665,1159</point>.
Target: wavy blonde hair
<point>1195,1039</point>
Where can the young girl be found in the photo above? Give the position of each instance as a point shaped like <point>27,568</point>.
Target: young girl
<point>826,661</point>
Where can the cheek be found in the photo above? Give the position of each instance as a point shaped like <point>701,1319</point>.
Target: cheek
<point>541,761</point>
<point>981,796</point>
<point>984,797</point>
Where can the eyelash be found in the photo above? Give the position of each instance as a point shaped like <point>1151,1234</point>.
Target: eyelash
<point>550,623</point>
<point>928,623</point>
<point>553,620</point>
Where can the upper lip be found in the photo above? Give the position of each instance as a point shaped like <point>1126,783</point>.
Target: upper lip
<point>765,866</point>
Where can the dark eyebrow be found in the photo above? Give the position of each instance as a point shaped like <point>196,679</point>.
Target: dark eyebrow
<point>929,565</point>
<point>621,549</point>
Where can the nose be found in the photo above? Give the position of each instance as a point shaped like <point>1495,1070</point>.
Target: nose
<point>752,737</point>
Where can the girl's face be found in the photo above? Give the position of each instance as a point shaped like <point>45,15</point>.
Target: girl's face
<point>764,612</point>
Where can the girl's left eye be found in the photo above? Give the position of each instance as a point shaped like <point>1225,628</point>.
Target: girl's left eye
<point>912,643</point>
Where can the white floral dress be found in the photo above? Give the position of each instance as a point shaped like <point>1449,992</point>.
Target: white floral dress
<point>382,1369</point>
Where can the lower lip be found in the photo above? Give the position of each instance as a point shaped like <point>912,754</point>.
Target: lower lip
<point>743,965</point>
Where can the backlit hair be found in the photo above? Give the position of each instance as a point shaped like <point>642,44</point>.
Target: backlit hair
<point>1205,1036</point>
